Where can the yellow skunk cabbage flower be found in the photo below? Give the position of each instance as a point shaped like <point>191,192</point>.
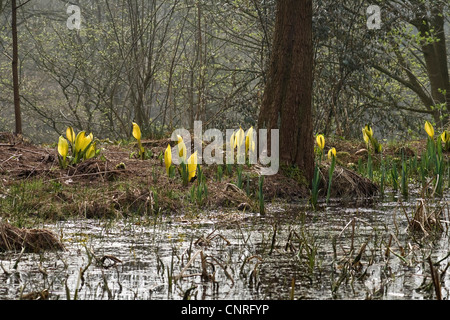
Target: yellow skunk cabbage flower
<point>249,143</point>
<point>91,152</point>
<point>369,131</point>
<point>81,141</point>
<point>320,139</point>
<point>63,147</point>
<point>137,136</point>
<point>240,136</point>
<point>136,131</point>
<point>370,139</point>
<point>192,165</point>
<point>87,140</point>
<point>81,144</point>
<point>445,136</point>
<point>365,136</point>
<point>181,148</point>
<point>168,158</point>
<point>70,134</point>
<point>429,129</point>
<point>332,153</point>
<point>233,141</point>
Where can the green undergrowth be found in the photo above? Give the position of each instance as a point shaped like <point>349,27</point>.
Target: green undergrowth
<point>27,202</point>
<point>406,167</point>
<point>32,201</point>
<point>294,173</point>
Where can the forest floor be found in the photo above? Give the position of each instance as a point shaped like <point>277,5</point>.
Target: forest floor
<point>116,184</point>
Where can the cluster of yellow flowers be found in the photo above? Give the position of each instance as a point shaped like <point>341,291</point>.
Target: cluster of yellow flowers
<point>236,141</point>
<point>320,139</point>
<point>367,136</point>
<point>238,137</point>
<point>445,135</point>
<point>191,161</point>
<point>83,147</point>
<point>369,139</point>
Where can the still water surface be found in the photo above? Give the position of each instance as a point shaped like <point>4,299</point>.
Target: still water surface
<point>346,251</point>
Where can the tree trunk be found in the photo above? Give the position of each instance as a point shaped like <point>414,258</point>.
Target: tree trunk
<point>436,62</point>
<point>435,57</point>
<point>287,100</point>
<point>200,114</point>
<point>15,71</point>
<point>191,100</point>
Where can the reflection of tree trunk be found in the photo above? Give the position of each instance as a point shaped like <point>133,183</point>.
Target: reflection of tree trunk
<point>287,101</point>
<point>15,71</point>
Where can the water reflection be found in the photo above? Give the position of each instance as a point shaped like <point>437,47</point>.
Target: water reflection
<point>351,251</point>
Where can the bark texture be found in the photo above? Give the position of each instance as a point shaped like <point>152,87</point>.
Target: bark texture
<point>287,101</point>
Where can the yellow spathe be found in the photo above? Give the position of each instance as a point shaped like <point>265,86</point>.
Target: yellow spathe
<point>63,147</point>
<point>240,136</point>
<point>320,139</point>
<point>136,131</point>
<point>70,134</point>
<point>369,131</point>
<point>429,129</point>
<point>181,148</point>
<point>168,158</point>
<point>192,165</point>
<point>233,141</point>
<point>332,153</point>
<point>365,136</point>
<point>445,136</point>
<point>81,141</point>
<point>249,143</point>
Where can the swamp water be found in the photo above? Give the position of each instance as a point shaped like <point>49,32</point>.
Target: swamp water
<point>346,251</point>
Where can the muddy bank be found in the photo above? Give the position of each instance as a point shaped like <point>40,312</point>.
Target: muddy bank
<point>117,184</point>
<point>28,240</point>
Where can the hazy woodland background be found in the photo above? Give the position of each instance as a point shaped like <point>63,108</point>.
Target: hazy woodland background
<point>167,63</point>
